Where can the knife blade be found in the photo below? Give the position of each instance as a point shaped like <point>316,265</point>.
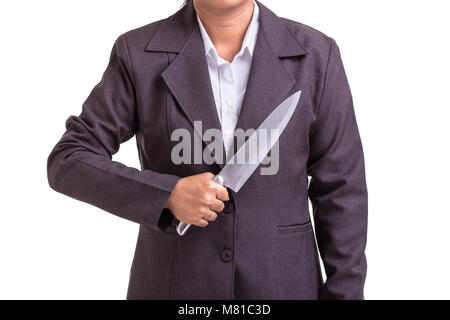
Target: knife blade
<point>246,160</point>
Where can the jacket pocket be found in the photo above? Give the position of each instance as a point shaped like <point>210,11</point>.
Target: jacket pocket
<point>298,271</point>
<point>294,229</point>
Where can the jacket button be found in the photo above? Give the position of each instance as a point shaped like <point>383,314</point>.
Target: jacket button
<point>226,255</point>
<point>229,206</point>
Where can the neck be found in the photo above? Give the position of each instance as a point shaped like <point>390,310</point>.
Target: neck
<point>226,27</point>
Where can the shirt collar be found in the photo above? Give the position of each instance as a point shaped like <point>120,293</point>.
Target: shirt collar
<point>249,42</point>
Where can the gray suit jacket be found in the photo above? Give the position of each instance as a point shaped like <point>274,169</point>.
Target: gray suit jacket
<point>262,246</point>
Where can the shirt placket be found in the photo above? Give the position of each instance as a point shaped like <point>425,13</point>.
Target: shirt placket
<point>228,105</point>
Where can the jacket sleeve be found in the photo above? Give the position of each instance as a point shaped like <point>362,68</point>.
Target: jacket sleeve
<point>338,186</point>
<point>81,166</point>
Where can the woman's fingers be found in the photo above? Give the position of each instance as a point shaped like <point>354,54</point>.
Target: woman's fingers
<point>217,206</point>
<point>222,193</point>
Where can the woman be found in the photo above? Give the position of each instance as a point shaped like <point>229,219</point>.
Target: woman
<point>225,64</point>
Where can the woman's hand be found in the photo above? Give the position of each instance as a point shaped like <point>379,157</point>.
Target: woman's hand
<point>197,199</point>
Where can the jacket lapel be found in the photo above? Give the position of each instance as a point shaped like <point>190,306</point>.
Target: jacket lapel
<point>187,76</point>
<point>269,81</point>
<point>268,84</point>
<point>188,80</point>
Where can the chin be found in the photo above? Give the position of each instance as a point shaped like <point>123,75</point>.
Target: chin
<point>223,4</point>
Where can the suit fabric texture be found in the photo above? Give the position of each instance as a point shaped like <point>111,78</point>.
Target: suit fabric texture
<point>262,246</point>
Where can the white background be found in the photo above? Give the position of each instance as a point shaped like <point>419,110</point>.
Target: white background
<point>397,57</point>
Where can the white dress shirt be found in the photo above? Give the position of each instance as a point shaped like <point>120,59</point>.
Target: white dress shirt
<point>229,80</point>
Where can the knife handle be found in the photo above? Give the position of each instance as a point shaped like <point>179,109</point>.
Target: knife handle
<point>182,227</point>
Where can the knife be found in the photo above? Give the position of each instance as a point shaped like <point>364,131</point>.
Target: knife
<point>239,168</point>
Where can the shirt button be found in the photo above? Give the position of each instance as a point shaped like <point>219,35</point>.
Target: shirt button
<point>226,255</point>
